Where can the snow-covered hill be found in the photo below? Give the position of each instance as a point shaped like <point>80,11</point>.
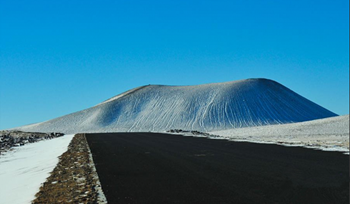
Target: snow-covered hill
<point>208,107</point>
<point>327,134</point>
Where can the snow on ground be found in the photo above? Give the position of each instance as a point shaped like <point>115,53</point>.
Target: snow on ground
<point>329,134</point>
<point>207,107</point>
<point>24,169</point>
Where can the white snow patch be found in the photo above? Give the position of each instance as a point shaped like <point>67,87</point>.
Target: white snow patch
<point>23,170</point>
<point>330,134</point>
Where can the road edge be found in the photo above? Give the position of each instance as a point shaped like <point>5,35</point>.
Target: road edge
<point>101,198</point>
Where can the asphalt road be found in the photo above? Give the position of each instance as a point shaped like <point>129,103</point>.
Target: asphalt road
<point>162,168</point>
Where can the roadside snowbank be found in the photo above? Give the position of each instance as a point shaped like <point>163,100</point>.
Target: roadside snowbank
<point>330,134</point>
<point>24,169</point>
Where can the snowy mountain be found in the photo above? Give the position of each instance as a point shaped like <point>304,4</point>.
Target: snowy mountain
<point>208,107</point>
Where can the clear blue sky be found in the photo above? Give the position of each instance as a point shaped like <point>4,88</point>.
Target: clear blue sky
<point>58,57</point>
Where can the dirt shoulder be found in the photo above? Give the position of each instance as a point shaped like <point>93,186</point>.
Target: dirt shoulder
<point>74,179</point>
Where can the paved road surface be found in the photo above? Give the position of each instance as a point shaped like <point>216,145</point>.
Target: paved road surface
<point>161,168</point>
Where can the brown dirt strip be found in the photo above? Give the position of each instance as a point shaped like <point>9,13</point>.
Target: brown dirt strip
<point>73,180</point>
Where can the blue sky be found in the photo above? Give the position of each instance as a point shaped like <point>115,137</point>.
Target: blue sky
<point>58,57</point>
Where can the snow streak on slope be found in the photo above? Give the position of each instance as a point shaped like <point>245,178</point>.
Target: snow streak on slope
<point>24,169</point>
<point>327,134</point>
<point>209,107</point>
<point>122,94</point>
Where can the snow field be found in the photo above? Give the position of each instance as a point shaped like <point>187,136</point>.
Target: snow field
<point>25,168</point>
<point>329,134</point>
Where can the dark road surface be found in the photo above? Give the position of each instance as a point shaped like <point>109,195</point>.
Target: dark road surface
<point>161,168</point>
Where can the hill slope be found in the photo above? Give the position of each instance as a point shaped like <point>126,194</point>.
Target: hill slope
<point>208,107</point>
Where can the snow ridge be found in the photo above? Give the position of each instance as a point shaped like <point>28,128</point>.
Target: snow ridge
<point>208,107</point>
